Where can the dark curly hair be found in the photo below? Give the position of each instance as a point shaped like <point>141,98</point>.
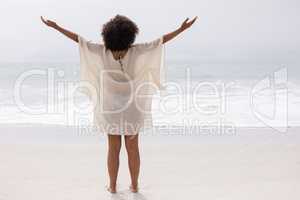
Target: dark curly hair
<point>119,33</point>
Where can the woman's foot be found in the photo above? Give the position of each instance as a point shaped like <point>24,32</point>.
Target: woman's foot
<point>111,190</point>
<point>134,189</point>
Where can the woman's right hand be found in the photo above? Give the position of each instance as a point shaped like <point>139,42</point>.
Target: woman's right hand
<point>49,22</point>
<point>69,34</point>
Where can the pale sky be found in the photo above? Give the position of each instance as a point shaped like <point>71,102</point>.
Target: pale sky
<point>231,30</point>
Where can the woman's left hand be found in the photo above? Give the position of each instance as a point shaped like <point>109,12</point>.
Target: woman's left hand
<point>187,24</point>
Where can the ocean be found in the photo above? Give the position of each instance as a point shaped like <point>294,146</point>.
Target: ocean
<point>237,95</point>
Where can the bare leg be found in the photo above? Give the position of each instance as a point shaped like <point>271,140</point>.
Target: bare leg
<point>132,147</point>
<point>114,146</point>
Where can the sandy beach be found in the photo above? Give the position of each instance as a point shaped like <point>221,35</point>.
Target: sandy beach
<point>51,162</point>
<point>221,79</point>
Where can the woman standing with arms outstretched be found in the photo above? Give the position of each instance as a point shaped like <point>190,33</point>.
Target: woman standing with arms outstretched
<point>118,74</point>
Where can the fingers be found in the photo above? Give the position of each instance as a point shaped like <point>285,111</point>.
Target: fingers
<point>190,23</point>
<point>43,20</point>
<point>185,21</point>
<point>195,18</point>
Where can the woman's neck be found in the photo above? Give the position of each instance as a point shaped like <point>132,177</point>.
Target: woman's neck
<point>119,54</point>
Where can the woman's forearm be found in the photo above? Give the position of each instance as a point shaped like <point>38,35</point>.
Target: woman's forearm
<point>185,25</point>
<point>169,36</point>
<point>52,24</point>
<point>69,34</point>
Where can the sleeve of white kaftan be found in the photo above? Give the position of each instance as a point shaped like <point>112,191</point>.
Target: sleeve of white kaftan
<point>90,63</point>
<point>151,57</point>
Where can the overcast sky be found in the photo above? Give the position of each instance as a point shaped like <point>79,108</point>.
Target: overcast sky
<point>231,30</point>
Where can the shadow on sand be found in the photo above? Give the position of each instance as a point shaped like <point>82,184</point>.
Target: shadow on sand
<point>128,196</point>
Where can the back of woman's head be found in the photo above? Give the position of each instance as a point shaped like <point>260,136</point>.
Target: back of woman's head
<point>119,33</point>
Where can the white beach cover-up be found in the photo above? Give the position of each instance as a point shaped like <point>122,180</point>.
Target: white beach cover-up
<point>122,99</point>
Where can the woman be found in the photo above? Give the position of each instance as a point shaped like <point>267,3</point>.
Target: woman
<point>118,74</point>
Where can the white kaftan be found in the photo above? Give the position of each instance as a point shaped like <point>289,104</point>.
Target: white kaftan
<point>122,99</point>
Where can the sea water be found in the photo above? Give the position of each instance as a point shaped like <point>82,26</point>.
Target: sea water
<point>201,94</point>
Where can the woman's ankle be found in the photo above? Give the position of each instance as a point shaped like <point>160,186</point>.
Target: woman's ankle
<point>134,187</point>
<point>112,188</point>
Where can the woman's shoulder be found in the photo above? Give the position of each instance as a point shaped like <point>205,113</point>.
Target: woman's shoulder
<point>144,46</point>
<point>90,45</point>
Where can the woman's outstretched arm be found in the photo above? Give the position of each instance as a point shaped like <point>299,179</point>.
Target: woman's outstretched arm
<point>185,25</point>
<point>69,34</point>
